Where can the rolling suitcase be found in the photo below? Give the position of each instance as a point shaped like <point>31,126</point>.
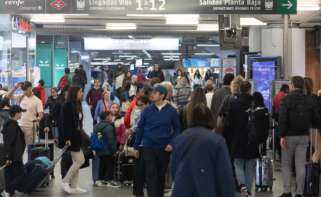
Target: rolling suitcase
<point>37,173</point>
<point>312,170</point>
<point>125,168</point>
<point>38,149</point>
<point>264,174</point>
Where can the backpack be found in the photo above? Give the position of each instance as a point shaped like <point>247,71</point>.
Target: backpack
<point>258,125</point>
<point>97,140</point>
<point>300,114</point>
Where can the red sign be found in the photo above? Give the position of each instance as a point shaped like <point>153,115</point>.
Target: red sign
<point>58,4</point>
<point>21,25</point>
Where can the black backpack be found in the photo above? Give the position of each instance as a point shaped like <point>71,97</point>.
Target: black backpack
<point>300,114</point>
<point>258,125</point>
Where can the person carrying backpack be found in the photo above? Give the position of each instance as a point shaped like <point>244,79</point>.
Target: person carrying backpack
<point>104,145</point>
<point>297,115</point>
<point>244,147</point>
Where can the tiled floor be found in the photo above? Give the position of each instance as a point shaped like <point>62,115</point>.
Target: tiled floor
<point>54,189</point>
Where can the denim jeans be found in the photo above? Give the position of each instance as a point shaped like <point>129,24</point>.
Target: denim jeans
<point>245,172</point>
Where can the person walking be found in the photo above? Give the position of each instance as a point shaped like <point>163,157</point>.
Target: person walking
<point>93,96</point>
<point>297,115</point>
<point>72,125</point>
<point>158,126</point>
<point>220,95</point>
<point>209,92</point>
<point>244,149</point>
<point>83,77</point>
<point>202,154</point>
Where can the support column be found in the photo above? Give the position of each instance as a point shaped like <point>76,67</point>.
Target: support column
<point>286,69</point>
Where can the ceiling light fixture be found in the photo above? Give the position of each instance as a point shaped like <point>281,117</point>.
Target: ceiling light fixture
<point>207,27</point>
<point>121,26</point>
<point>208,45</point>
<point>251,22</point>
<point>145,15</point>
<point>182,19</point>
<point>47,18</point>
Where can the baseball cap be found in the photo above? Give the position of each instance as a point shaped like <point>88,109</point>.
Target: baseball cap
<point>161,89</point>
<point>15,109</point>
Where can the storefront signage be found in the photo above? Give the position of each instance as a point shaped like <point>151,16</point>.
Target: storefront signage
<point>151,6</point>
<point>21,25</point>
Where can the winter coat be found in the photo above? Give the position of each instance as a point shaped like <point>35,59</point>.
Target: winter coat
<point>241,147</point>
<point>201,166</point>
<point>301,123</point>
<point>109,137</point>
<point>93,96</point>
<point>217,101</point>
<point>71,126</point>
<point>14,141</point>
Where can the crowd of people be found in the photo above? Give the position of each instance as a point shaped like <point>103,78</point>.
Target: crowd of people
<point>209,136</point>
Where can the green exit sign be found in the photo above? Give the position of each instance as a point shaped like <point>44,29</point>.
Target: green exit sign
<point>286,6</point>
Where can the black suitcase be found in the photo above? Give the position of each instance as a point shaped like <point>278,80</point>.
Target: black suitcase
<point>36,174</point>
<point>312,170</point>
<point>38,149</point>
<point>125,168</point>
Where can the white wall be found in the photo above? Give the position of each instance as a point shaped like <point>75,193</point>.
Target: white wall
<point>272,45</point>
<point>272,41</point>
<point>297,47</point>
<point>255,39</point>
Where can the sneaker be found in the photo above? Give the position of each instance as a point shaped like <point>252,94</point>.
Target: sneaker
<point>113,184</point>
<point>78,190</point>
<point>286,195</point>
<point>99,184</point>
<point>244,191</point>
<point>168,193</point>
<point>66,188</point>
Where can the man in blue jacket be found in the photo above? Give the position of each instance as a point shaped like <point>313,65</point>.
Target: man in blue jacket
<point>156,130</point>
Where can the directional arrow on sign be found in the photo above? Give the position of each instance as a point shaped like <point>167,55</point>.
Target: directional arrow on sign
<point>289,5</point>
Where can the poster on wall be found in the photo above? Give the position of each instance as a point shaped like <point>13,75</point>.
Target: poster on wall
<point>229,66</point>
<point>59,64</point>
<point>44,62</point>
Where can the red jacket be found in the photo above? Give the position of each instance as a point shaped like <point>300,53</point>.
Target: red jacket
<point>42,94</point>
<point>277,101</point>
<point>63,82</point>
<point>129,112</point>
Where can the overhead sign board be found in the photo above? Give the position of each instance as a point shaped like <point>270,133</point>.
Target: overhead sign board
<point>150,6</point>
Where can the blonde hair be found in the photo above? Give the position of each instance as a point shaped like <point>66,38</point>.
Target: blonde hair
<point>236,84</point>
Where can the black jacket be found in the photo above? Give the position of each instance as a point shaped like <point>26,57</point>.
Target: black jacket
<point>157,74</point>
<point>71,126</point>
<point>14,140</point>
<point>54,110</point>
<point>241,148</point>
<point>298,114</point>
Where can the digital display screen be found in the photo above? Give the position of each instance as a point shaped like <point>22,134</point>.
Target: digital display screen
<point>196,62</point>
<point>139,63</point>
<point>263,75</point>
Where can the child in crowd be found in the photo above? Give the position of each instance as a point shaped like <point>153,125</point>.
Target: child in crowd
<point>119,124</point>
<point>105,130</point>
<point>14,145</point>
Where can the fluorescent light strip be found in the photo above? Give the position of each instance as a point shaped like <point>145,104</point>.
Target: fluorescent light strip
<point>251,22</point>
<point>47,18</point>
<point>171,54</point>
<point>308,5</point>
<point>182,19</point>
<point>121,26</point>
<point>145,15</point>
<point>207,27</point>
<point>208,45</point>
<point>204,54</point>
